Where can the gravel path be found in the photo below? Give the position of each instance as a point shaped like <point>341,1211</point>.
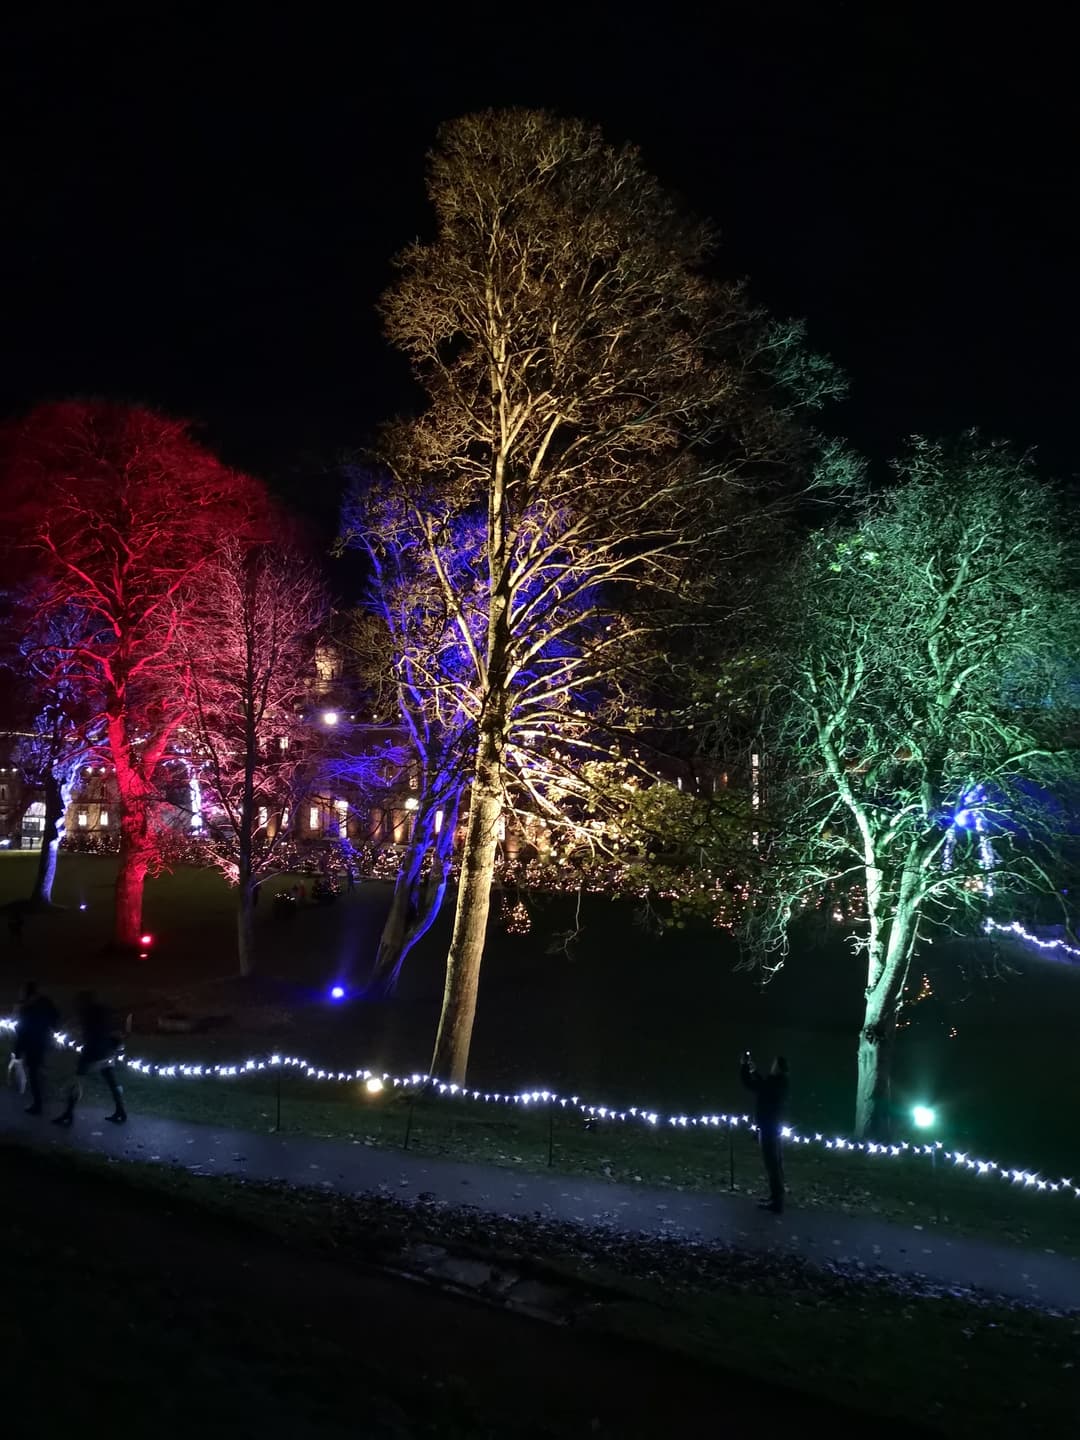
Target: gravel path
<point>1039,1277</point>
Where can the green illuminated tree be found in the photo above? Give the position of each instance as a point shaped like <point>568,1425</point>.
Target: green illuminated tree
<point>601,406</point>
<point>921,718</point>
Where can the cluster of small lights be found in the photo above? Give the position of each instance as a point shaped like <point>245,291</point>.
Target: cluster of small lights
<point>374,1083</point>
<point>924,992</point>
<point>515,919</point>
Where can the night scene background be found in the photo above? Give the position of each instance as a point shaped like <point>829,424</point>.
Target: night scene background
<point>202,209</point>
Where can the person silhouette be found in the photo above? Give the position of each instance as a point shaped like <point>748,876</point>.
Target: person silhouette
<point>772,1092</point>
<point>35,1023</point>
<point>100,1042</point>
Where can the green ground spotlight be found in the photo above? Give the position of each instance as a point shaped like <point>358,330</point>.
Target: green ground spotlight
<point>923,1116</point>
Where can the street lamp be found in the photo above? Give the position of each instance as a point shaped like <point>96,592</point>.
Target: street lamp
<point>924,1118</point>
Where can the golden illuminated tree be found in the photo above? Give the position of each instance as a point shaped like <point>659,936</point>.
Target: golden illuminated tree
<point>599,406</point>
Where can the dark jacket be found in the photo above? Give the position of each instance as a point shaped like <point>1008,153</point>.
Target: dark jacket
<point>99,1035</point>
<point>771,1091</point>
<point>37,1019</point>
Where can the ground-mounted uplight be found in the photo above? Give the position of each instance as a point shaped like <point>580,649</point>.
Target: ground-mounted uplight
<point>923,1116</point>
<point>337,992</point>
<point>330,717</point>
<point>412,803</point>
<point>373,1085</point>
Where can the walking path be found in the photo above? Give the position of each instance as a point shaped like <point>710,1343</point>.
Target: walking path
<point>1040,1277</point>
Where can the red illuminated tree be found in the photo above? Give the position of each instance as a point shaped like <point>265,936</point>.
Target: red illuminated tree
<point>250,643</point>
<point>118,512</point>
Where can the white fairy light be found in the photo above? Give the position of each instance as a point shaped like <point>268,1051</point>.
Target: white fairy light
<point>1015,928</point>
<point>375,1084</point>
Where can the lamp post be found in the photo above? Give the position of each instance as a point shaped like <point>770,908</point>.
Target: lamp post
<point>925,1118</point>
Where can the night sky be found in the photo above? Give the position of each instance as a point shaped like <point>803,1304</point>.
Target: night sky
<point>201,206</point>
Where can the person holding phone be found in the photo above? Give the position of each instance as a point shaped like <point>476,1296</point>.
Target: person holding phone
<point>771,1091</point>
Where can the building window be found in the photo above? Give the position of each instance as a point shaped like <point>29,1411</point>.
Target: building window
<point>313,818</point>
<point>34,819</point>
<point>263,817</point>
<point>82,819</point>
<point>283,742</point>
<point>103,819</point>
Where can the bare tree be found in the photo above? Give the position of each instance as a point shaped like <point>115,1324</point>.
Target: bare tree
<point>598,406</point>
<point>923,719</point>
<point>249,641</point>
<point>119,511</point>
<point>407,650</point>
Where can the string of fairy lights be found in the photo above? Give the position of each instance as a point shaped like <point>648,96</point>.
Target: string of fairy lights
<point>1013,927</point>
<point>417,1084</point>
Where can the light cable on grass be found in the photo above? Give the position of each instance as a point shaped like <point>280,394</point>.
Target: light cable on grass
<point>418,1083</point>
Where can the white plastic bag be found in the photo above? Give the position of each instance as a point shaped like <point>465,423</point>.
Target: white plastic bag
<point>16,1074</point>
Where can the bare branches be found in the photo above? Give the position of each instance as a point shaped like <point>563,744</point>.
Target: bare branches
<point>249,645</point>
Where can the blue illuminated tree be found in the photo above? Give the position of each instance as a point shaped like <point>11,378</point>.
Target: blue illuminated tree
<point>417,674</point>
<point>58,732</point>
<point>922,717</point>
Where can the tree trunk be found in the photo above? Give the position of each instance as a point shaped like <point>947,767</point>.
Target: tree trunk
<point>245,927</point>
<point>55,807</point>
<point>887,971</point>
<point>417,898</point>
<point>130,878</point>
<point>245,881</point>
<point>389,955</point>
<point>874,1094</point>
<point>451,1058</point>
<point>137,845</point>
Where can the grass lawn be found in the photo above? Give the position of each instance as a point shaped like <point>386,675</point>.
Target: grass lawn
<point>629,1018</point>
<point>167,1311</point>
<point>236,1274</point>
